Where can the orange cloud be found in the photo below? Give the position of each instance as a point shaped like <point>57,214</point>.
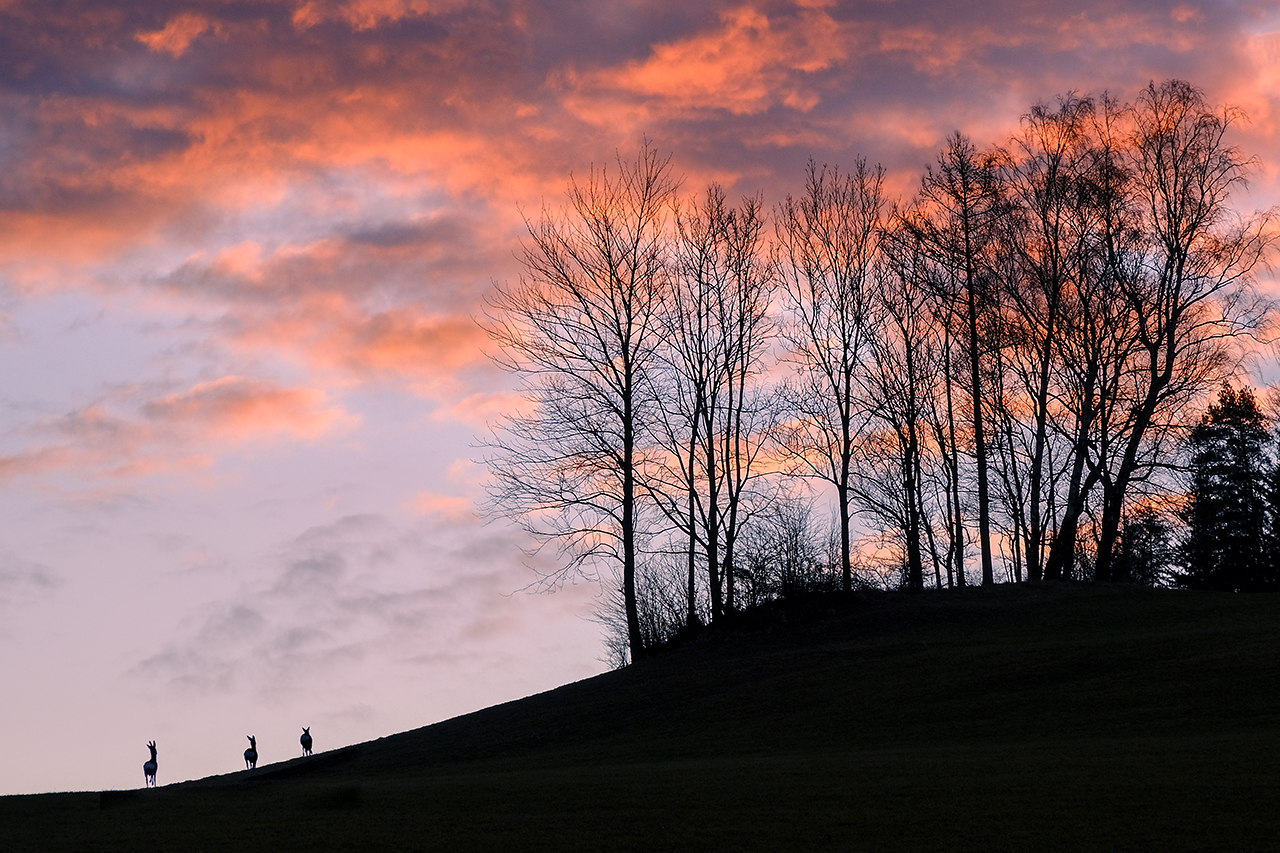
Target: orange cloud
<point>747,66</point>
<point>407,341</point>
<point>425,352</point>
<point>177,35</point>
<point>451,508</point>
<point>1257,94</point>
<point>237,408</point>
<point>119,437</point>
<point>365,14</point>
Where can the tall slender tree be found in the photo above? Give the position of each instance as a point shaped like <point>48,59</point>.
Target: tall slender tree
<point>963,207</point>
<point>1049,238</point>
<point>580,329</point>
<point>718,328</point>
<point>904,361</point>
<point>1099,333</point>
<point>829,240</point>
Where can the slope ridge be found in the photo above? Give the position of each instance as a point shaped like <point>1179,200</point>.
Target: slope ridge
<point>1046,717</point>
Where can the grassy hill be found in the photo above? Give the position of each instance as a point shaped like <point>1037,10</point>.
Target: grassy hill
<point>1020,719</point>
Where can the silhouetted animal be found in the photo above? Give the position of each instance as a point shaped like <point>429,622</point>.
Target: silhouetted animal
<point>149,769</point>
<point>251,754</point>
<point>306,740</point>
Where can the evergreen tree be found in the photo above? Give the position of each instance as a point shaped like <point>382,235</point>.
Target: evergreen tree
<point>1146,553</point>
<point>1227,507</point>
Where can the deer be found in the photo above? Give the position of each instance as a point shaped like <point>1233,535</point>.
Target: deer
<point>149,769</point>
<point>305,740</point>
<point>251,754</point>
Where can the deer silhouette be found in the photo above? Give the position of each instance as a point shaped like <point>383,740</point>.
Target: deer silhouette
<point>251,754</point>
<point>149,769</point>
<point>305,740</point>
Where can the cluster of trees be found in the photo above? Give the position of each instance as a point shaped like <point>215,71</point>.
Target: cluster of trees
<point>997,377</point>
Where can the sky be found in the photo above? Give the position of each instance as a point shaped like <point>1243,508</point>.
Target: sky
<point>243,247</point>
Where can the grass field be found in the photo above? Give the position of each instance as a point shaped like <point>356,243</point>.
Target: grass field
<point>1019,719</point>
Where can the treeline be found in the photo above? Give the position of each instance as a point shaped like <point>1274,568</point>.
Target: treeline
<point>995,379</point>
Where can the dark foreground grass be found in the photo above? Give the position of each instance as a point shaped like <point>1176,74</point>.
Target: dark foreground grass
<point>1020,719</point>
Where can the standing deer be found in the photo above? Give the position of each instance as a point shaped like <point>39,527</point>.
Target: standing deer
<point>149,769</point>
<point>251,754</point>
<point>305,740</point>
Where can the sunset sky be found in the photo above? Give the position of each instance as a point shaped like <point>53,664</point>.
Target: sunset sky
<point>242,249</point>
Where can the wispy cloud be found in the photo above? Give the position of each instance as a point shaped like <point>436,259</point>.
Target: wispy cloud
<point>177,34</point>
<point>22,580</point>
<point>746,65</point>
<point>127,433</point>
<point>340,592</point>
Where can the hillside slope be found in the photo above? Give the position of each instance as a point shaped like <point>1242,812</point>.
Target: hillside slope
<point>1021,718</point>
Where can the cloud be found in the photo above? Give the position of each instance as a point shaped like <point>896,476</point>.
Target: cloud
<point>363,15</point>
<point>331,185</point>
<point>22,580</point>
<point>430,355</point>
<point>449,507</point>
<point>236,409</point>
<point>376,149</point>
<point>129,434</point>
<point>747,65</point>
<point>483,409</point>
<point>177,35</point>
<point>233,625</point>
<point>341,592</point>
<point>385,301</point>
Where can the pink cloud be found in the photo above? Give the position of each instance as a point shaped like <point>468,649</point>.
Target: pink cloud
<point>238,409</point>
<point>365,14</point>
<point>452,508</point>
<point>428,353</point>
<point>745,67</point>
<point>177,35</point>
<point>487,408</point>
<point>122,436</point>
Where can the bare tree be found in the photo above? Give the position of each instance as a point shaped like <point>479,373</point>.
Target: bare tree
<point>718,332</point>
<point>1098,332</point>
<point>829,242</point>
<point>689,329</point>
<point>580,330</point>
<point>963,207</point>
<point>904,360</point>
<point>746,408</point>
<point>782,552</point>
<point>1049,240</point>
